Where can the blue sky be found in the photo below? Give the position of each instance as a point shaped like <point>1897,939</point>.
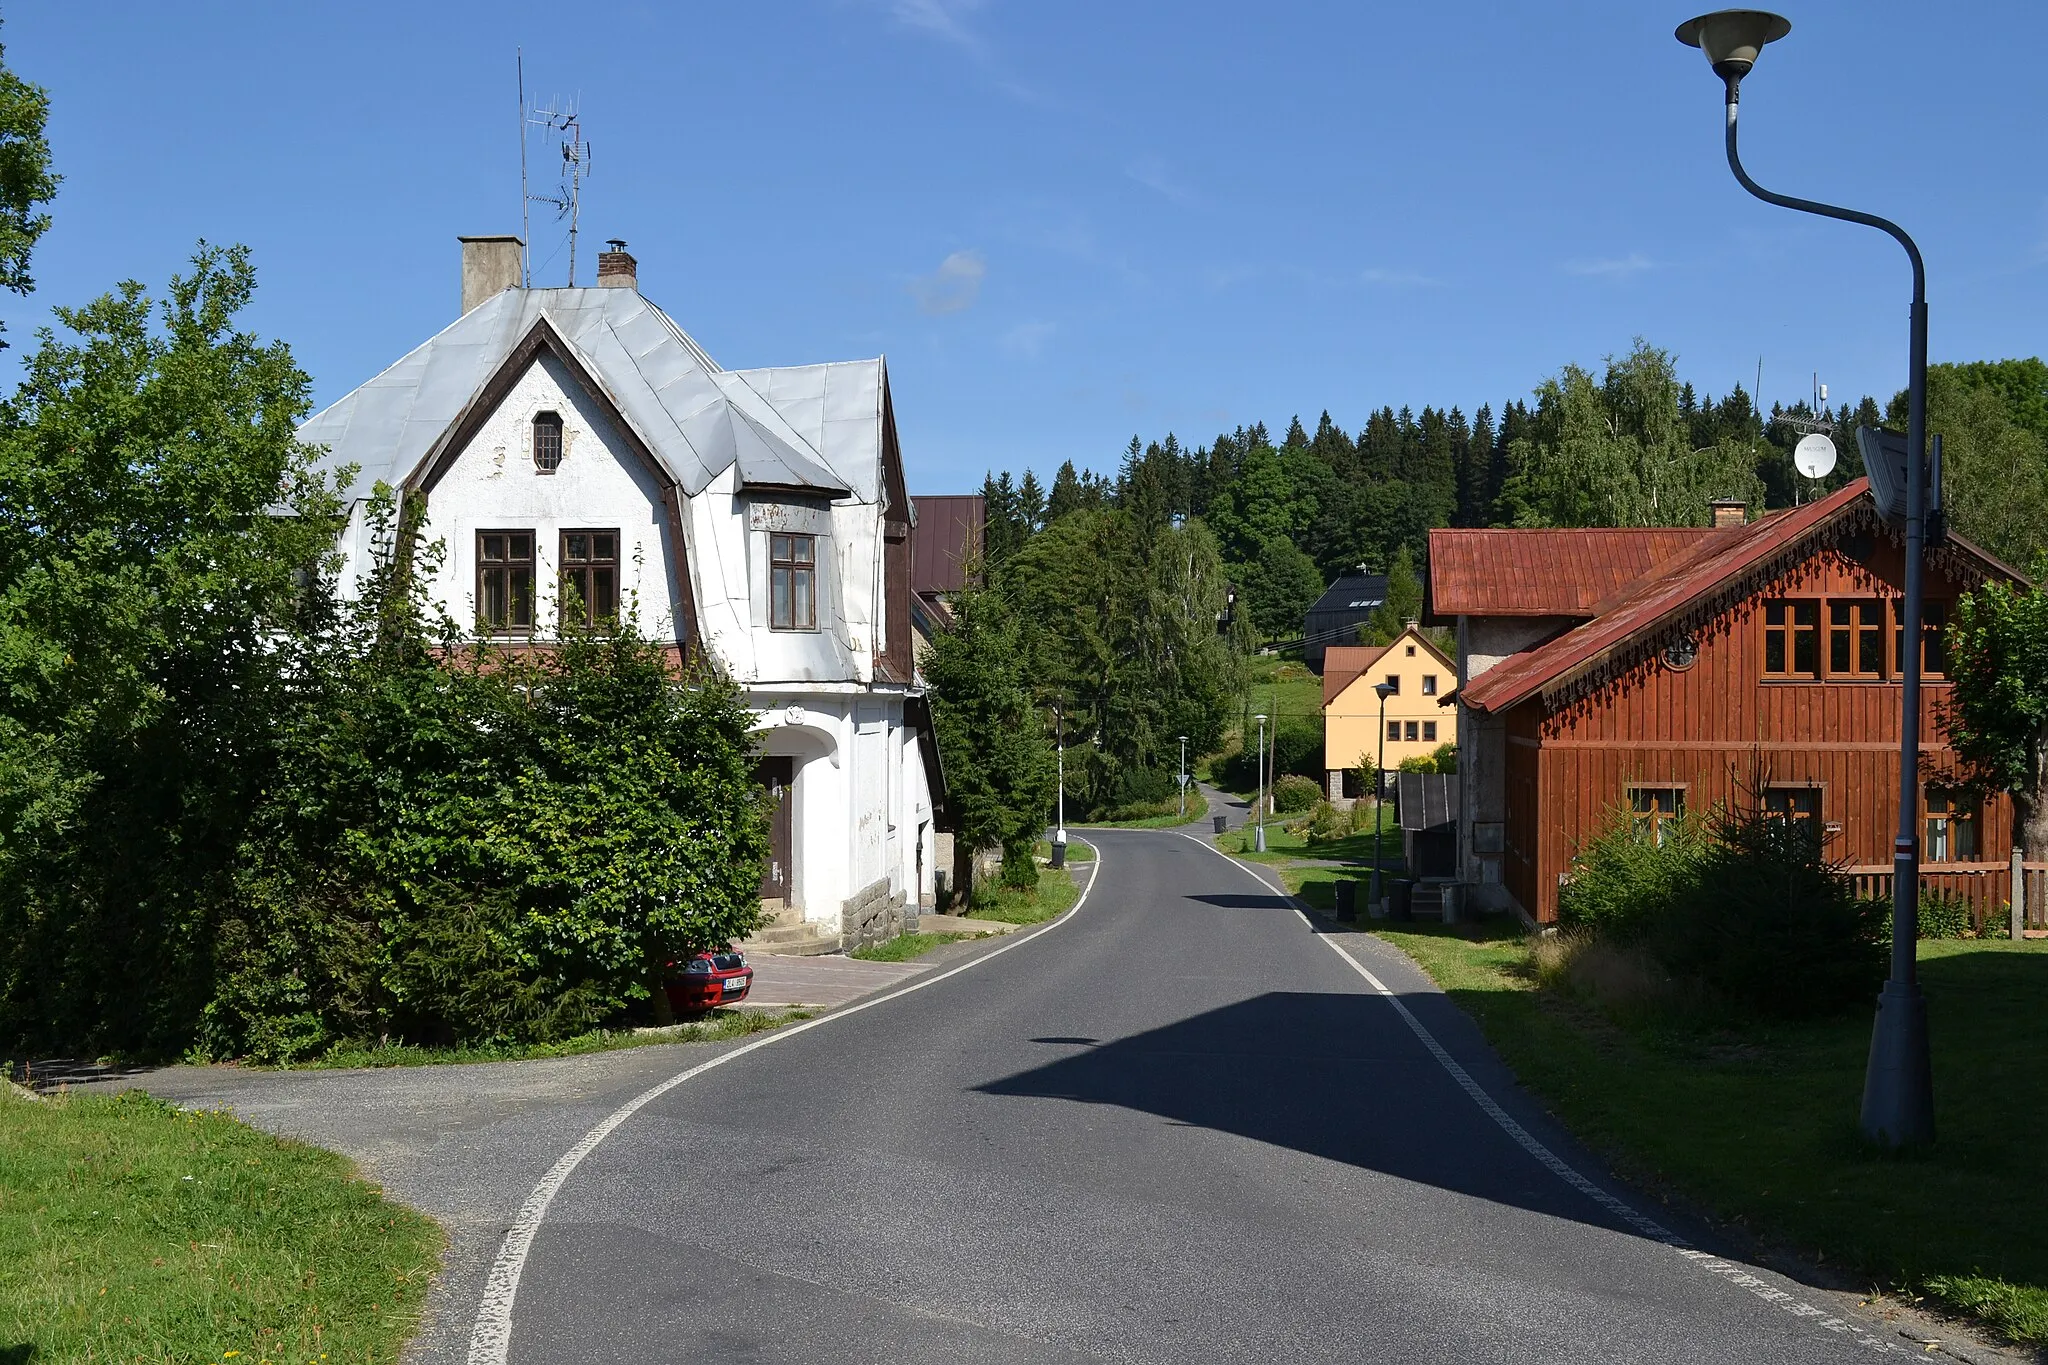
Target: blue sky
<point>1064,222</point>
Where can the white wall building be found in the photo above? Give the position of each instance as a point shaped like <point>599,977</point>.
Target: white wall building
<point>755,517</point>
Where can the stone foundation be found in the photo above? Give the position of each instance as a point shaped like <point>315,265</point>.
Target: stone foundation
<point>873,915</point>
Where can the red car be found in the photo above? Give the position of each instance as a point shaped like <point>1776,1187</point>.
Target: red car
<point>707,981</point>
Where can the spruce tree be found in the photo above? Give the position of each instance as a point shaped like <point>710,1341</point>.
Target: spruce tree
<point>1066,494</point>
<point>1030,504</point>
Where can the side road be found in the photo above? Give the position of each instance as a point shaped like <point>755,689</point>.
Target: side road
<point>464,1143</point>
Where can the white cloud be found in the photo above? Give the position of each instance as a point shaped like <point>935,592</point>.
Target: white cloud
<point>1612,267</point>
<point>953,287</point>
<point>1028,338</point>
<point>946,19</point>
<point>1396,279</point>
<point>1151,172</point>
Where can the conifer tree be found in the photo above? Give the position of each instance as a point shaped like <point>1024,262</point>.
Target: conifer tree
<point>1030,504</point>
<point>1066,494</point>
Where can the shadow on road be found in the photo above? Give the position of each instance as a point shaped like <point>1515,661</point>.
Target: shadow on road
<point>1334,1075</point>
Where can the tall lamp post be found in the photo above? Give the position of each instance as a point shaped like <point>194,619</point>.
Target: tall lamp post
<point>1183,777</point>
<point>1259,798</point>
<point>1059,831</point>
<point>1379,782</point>
<point>1898,1089</point>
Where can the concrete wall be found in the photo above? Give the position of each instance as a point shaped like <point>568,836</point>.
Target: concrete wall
<point>1484,643</point>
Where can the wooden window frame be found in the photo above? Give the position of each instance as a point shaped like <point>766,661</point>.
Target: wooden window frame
<point>1429,732</point>
<point>1788,633</point>
<point>1429,684</point>
<point>1411,732</point>
<point>1933,648</point>
<point>582,573</point>
<point>1394,732</point>
<point>1651,822</point>
<point>509,566</point>
<point>1855,629</point>
<point>1393,684</point>
<point>1958,811</point>
<point>789,571</point>
<point>550,442</point>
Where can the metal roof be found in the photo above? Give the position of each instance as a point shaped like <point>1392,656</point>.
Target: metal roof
<point>1343,663</point>
<point>948,535</point>
<point>1571,572</point>
<point>815,427</point>
<point>1353,592</point>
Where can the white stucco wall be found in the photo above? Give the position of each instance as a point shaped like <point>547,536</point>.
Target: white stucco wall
<point>599,485</point>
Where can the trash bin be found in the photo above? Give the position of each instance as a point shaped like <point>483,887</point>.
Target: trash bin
<point>1401,899</point>
<point>1347,898</point>
<point>1221,822</point>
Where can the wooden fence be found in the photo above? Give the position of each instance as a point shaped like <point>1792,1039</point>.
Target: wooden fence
<point>1985,887</point>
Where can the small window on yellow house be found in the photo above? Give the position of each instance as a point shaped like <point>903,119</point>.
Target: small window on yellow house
<point>1429,684</point>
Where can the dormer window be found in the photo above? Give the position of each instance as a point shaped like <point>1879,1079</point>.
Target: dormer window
<point>792,582</point>
<point>547,442</point>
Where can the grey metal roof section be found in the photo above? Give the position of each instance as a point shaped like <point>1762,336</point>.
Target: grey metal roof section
<point>698,420</point>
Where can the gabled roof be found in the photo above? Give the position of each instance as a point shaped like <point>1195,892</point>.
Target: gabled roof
<point>1497,572</point>
<point>1353,592</point>
<point>1719,567</point>
<point>815,427</point>
<point>1343,663</point>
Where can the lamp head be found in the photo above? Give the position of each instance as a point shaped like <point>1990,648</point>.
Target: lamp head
<point>1732,38</point>
<point>1384,689</point>
<point>1260,717</point>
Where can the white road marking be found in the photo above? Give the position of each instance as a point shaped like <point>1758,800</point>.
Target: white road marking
<point>1558,1166</point>
<point>490,1341</point>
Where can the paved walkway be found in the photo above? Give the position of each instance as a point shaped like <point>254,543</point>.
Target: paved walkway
<point>1234,810</point>
<point>820,981</point>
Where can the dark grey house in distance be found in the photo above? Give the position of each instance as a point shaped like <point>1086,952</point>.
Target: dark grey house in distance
<point>1339,612</point>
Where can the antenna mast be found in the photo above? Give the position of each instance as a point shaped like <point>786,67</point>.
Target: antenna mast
<point>525,205</point>
<point>558,117</point>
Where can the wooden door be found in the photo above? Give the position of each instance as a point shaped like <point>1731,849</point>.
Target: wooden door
<point>777,774</point>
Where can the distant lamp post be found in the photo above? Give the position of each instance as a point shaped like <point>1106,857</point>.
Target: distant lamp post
<point>1183,777</point>
<point>1259,797</point>
<point>1059,830</point>
<point>1898,1087</point>
<point>1379,782</point>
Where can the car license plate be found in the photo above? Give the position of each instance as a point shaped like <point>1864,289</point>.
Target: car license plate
<point>735,983</point>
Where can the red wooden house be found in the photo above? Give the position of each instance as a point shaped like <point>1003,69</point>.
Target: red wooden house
<point>1638,674</point>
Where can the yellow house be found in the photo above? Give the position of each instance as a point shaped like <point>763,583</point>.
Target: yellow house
<point>1422,676</point>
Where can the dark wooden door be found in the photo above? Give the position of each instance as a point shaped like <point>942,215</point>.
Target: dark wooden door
<point>776,774</point>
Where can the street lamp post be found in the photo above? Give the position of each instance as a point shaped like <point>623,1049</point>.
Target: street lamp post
<point>1183,777</point>
<point>1259,797</point>
<point>1898,1089</point>
<point>1059,831</point>
<point>1379,780</point>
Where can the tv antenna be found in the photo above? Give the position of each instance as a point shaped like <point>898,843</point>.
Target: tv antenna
<point>560,118</point>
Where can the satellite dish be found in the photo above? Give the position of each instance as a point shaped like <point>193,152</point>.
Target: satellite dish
<point>1814,456</point>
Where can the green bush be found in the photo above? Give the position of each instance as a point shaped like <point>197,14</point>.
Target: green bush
<point>1294,793</point>
<point>1941,916</point>
<point>1744,905</point>
<point>1326,824</point>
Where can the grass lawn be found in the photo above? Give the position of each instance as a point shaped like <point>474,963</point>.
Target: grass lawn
<point>712,1027</point>
<point>1757,1122</point>
<point>1054,895</point>
<point>1284,847</point>
<point>904,947</point>
<point>134,1231</point>
<point>1077,852</point>
<point>1198,809</point>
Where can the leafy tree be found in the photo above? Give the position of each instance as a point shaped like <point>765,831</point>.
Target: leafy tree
<point>1994,467</point>
<point>1403,604</point>
<point>1996,715</point>
<point>1279,587</point>
<point>26,178</point>
<point>992,735</point>
<point>157,522</point>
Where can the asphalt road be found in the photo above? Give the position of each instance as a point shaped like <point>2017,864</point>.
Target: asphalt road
<point>1175,1127</point>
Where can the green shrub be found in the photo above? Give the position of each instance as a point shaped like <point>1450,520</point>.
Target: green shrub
<point>1294,793</point>
<point>1442,759</point>
<point>1941,916</point>
<point>1326,824</point>
<point>1742,904</point>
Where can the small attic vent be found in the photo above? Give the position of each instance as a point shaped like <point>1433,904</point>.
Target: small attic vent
<point>547,442</point>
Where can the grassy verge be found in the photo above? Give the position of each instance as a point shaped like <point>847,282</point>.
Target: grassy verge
<point>138,1232</point>
<point>1198,809</point>
<point>904,947</point>
<point>713,1027</point>
<point>1757,1122</point>
<point>1077,852</point>
<point>1284,847</point>
<point>1054,895</point>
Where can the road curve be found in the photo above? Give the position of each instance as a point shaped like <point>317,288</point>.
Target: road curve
<point>1179,1128</point>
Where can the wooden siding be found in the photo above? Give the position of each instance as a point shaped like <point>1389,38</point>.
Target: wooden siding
<point>1718,728</point>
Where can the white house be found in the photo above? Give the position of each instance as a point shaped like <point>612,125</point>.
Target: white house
<point>579,436</point>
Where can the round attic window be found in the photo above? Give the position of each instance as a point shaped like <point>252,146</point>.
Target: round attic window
<point>1681,653</point>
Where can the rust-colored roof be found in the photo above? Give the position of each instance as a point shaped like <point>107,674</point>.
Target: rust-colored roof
<point>1715,558</point>
<point>947,535</point>
<point>1548,572</point>
<point>1343,663</point>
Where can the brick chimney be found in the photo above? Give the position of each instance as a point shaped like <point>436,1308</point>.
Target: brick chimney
<point>490,266</point>
<point>1729,512</point>
<point>615,268</point>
